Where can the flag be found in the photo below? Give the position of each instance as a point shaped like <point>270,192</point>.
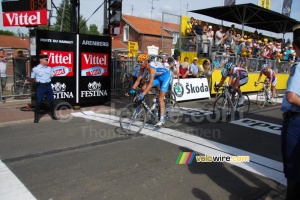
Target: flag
<point>229,2</point>
<point>286,7</point>
<point>265,4</point>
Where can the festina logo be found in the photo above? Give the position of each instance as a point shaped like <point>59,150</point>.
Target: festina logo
<point>25,18</point>
<point>95,59</point>
<point>63,95</point>
<point>60,58</point>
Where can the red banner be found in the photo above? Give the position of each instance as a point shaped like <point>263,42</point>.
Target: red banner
<point>25,18</point>
<point>94,64</point>
<point>61,62</point>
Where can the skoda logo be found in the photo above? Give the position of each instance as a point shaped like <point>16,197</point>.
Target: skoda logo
<point>178,89</point>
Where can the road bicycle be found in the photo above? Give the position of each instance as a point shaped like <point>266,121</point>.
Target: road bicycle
<point>134,116</point>
<point>24,87</point>
<point>220,92</point>
<point>224,104</point>
<point>264,96</point>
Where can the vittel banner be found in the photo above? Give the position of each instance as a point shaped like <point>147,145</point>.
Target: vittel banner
<point>94,78</point>
<point>61,62</point>
<point>94,64</point>
<point>61,50</point>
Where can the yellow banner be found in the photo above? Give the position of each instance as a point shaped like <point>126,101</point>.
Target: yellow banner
<point>265,4</point>
<point>133,48</point>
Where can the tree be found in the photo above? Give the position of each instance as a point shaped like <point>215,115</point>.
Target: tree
<point>62,23</point>
<point>93,30</point>
<point>6,32</point>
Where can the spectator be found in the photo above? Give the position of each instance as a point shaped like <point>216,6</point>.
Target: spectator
<point>194,69</point>
<point>287,52</point>
<point>19,69</point>
<point>184,68</point>
<point>3,68</point>
<point>216,62</point>
<point>219,37</point>
<point>210,35</point>
<point>229,39</point>
<point>198,31</point>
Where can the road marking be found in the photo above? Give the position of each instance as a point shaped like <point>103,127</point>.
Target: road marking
<point>11,187</point>
<point>258,164</point>
<point>254,96</point>
<point>259,125</point>
<point>194,112</point>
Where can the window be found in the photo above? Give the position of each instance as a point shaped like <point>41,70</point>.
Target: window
<point>175,37</point>
<point>125,33</point>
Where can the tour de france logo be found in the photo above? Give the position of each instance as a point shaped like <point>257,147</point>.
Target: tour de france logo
<point>94,86</point>
<point>178,89</point>
<point>58,87</point>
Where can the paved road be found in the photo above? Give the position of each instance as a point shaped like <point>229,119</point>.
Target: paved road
<point>88,157</point>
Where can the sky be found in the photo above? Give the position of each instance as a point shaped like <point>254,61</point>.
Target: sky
<point>143,8</point>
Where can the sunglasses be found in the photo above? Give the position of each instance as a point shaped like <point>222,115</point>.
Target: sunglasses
<point>46,59</point>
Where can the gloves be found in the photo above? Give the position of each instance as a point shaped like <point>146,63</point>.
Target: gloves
<point>132,91</point>
<point>256,84</point>
<point>141,96</point>
<point>216,88</point>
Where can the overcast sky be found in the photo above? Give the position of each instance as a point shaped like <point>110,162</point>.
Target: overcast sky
<point>143,8</point>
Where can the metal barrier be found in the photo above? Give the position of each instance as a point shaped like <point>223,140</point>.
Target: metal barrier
<point>16,83</point>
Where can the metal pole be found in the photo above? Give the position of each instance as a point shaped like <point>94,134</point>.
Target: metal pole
<point>105,19</point>
<point>63,16</point>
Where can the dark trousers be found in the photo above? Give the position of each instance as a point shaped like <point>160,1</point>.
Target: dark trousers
<point>41,91</point>
<point>290,145</point>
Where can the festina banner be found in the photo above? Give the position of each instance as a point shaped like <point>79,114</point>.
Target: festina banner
<point>287,7</point>
<point>61,50</point>
<point>229,2</point>
<point>94,58</point>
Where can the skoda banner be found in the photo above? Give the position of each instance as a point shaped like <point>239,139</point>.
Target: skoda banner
<point>80,65</point>
<point>190,88</point>
<point>61,50</point>
<point>94,79</point>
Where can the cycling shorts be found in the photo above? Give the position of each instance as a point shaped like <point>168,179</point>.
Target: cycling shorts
<point>274,80</point>
<point>163,80</point>
<point>243,81</point>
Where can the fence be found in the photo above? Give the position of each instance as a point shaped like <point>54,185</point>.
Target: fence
<point>15,73</point>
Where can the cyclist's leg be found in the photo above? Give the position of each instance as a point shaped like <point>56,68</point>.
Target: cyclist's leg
<point>165,83</point>
<point>273,86</point>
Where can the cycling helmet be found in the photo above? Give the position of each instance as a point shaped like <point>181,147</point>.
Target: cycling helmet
<point>170,59</point>
<point>264,66</point>
<point>229,66</point>
<point>143,57</point>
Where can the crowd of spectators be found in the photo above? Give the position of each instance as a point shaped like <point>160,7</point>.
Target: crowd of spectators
<point>230,43</point>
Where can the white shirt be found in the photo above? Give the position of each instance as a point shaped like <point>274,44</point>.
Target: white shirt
<point>3,66</point>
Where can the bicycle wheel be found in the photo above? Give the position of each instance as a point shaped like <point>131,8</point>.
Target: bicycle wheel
<point>243,110</point>
<point>132,118</point>
<point>275,98</point>
<point>172,113</point>
<point>219,93</point>
<point>170,95</point>
<point>221,107</point>
<point>261,98</point>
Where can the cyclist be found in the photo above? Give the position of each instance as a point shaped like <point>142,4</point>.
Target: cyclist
<point>158,77</point>
<point>238,77</point>
<point>271,79</point>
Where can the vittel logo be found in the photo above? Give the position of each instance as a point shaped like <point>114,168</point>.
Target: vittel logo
<point>60,58</point>
<point>25,18</point>
<point>59,90</point>
<point>92,59</point>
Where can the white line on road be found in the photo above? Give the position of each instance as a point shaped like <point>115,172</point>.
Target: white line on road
<point>11,188</point>
<point>258,164</point>
<point>259,125</point>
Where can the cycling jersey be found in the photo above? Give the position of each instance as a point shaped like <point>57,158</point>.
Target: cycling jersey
<point>237,72</point>
<point>270,73</point>
<point>161,77</point>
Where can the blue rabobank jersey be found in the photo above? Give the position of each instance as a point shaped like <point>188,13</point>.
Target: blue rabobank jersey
<point>293,85</point>
<point>153,71</point>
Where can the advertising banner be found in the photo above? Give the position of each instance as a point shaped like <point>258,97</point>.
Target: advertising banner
<point>265,4</point>
<point>287,7</point>
<point>61,50</point>
<point>94,80</point>
<point>133,48</point>
<point>190,88</point>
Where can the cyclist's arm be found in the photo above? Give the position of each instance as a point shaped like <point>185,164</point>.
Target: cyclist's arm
<point>149,86</point>
<point>137,82</point>
<point>258,80</point>
<point>235,84</point>
<point>222,81</point>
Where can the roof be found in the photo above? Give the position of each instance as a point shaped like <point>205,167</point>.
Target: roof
<point>251,15</point>
<point>116,43</point>
<point>13,42</point>
<point>150,26</point>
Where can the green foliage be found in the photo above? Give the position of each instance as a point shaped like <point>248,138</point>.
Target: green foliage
<point>6,32</point>
<point>93,30</point>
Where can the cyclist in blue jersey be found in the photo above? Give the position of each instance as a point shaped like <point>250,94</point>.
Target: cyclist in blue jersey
<point>158,77</point>
<point>238,77</point>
